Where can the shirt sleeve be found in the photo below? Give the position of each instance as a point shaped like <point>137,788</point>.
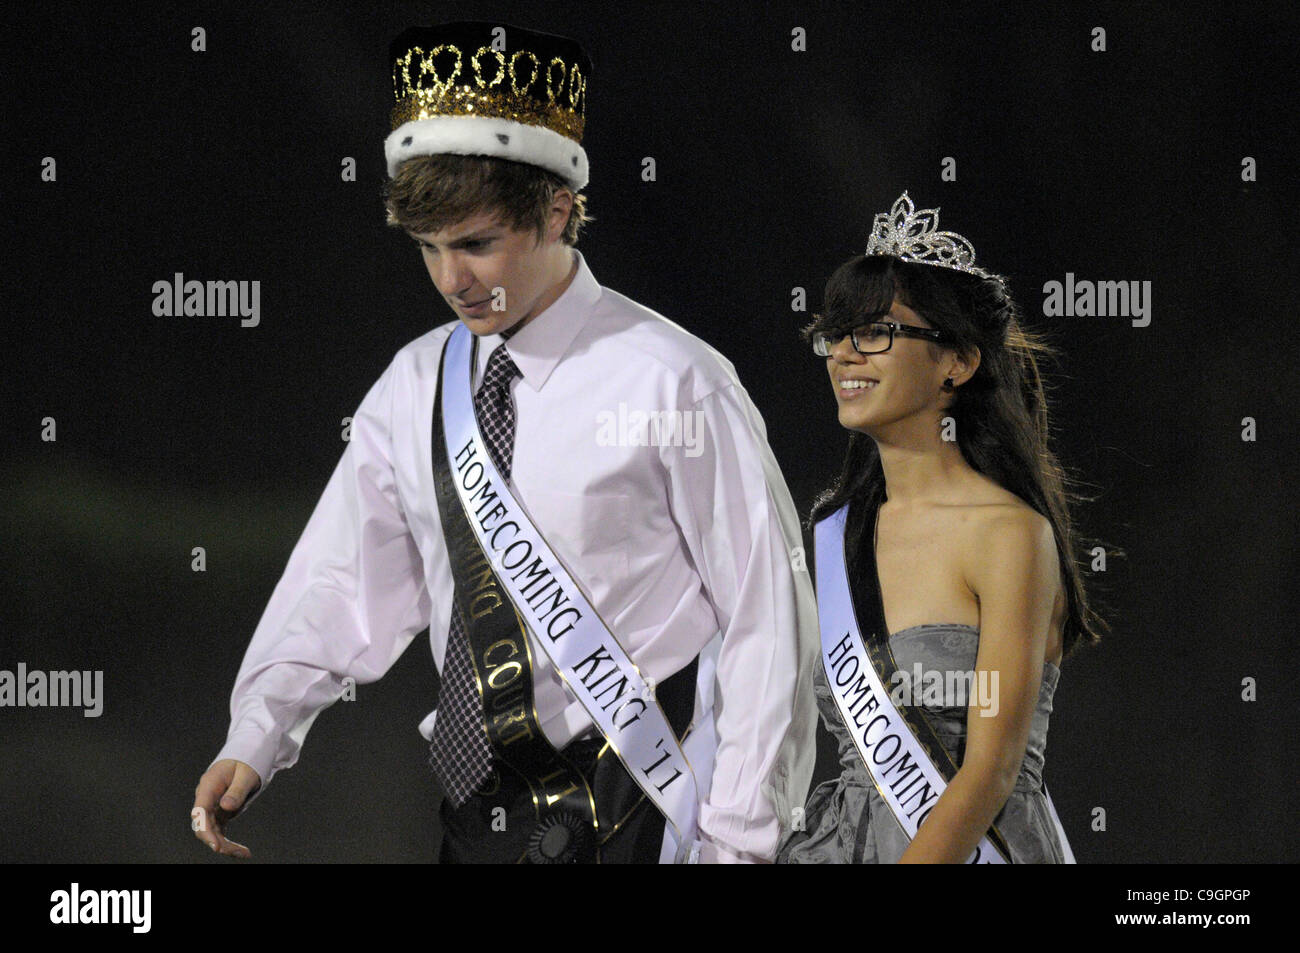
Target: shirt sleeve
<point>738,521</point>
<point>350,601</point>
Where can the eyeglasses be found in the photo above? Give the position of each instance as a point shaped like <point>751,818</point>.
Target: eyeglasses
<point>875,338</point>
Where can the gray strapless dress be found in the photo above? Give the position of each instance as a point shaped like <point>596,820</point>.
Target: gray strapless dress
<point>847,822</point>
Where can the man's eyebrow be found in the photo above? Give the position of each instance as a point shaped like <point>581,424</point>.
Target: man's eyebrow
<point>482,233</point>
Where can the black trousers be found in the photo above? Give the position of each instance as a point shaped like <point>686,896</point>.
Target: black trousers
<point>631,829</point>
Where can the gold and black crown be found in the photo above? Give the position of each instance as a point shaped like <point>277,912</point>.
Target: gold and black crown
<point>477,88</point>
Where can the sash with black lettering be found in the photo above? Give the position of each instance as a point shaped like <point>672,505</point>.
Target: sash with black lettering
<point>858,669</point>
<point>503,670</point>
<point>905,758</point>
<point>548,601</point>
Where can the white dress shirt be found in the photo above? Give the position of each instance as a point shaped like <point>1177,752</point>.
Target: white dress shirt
<point>674,544</point>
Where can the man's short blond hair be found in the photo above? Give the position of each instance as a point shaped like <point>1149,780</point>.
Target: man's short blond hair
<point>432,192</point>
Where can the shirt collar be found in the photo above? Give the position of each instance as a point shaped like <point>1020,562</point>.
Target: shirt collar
<point>540,344</point>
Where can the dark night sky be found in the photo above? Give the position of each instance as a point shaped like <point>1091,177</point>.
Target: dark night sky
<point>180,432</point>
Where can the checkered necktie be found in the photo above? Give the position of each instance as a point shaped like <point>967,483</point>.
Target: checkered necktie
<point>461,755</point>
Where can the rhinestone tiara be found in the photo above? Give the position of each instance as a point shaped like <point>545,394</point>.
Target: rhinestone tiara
<point>914,235</point>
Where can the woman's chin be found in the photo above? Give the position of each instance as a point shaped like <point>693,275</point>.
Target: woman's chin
<point>851,418</point>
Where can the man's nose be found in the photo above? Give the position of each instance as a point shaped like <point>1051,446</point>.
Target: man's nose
<point>452,275</point>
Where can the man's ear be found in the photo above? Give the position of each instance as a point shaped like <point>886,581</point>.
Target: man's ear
<point>558,216</point>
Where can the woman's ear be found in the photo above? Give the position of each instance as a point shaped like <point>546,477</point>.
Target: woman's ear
<point>963,366</point>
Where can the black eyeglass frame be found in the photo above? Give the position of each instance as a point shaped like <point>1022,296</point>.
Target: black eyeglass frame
<point>906,330</point>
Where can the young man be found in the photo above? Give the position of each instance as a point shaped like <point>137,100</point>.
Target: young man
<point>571,492</point>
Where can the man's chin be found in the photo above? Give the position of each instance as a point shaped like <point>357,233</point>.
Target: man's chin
<point>486,325</point>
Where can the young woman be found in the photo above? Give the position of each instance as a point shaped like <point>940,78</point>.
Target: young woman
<point>947,585</point>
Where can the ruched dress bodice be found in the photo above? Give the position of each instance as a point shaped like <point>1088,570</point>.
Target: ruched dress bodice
<point>847,821</point>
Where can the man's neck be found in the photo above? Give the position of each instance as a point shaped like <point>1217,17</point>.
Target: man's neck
<point>552,294</point>
<point>556,290</point>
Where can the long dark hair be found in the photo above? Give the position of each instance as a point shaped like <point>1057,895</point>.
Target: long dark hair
<point>1000,413</point>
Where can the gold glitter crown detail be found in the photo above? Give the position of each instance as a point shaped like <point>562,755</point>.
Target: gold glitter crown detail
<point>445,82</point>
<point>914,235</point>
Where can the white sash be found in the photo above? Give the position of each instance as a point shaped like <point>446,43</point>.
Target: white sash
<point>906,777</point>
<point>562,621</point>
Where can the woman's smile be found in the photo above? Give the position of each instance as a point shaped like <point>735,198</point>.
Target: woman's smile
<point>854,388</point>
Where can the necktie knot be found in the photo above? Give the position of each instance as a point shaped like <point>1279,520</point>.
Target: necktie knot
<point>501,370</point>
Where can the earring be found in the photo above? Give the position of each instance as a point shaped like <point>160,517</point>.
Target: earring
<point>947,383</point>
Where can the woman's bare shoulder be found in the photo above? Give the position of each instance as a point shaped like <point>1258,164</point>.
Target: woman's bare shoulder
<point>998,528</point>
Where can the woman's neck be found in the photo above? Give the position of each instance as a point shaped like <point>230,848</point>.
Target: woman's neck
<point>931,471</point>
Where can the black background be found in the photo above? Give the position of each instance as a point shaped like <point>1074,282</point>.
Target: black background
<point>225,165</point>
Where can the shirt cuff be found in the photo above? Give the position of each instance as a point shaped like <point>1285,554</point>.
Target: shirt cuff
<point>255,750</point>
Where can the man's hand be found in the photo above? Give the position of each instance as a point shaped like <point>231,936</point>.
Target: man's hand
<point>218,799</point>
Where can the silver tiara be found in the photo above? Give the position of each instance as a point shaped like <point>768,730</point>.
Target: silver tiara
<point>915,236</point>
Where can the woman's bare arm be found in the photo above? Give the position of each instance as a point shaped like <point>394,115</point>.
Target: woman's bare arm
<point>1013,569</point>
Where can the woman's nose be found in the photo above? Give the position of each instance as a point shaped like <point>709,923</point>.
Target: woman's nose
<point>844,352</point>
